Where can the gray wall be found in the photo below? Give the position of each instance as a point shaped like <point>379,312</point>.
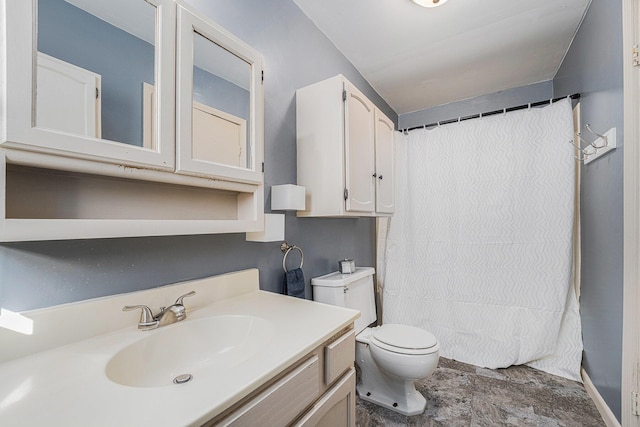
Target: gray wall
<point>481,104</point>
<point>296,54</point>
<point>593,67</point>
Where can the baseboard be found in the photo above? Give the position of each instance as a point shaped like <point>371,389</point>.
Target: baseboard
<point>605,412</point>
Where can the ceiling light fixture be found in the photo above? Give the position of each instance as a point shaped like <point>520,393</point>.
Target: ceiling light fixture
<point>430,3</point>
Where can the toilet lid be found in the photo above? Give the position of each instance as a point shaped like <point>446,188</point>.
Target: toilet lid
<point>405,336</point>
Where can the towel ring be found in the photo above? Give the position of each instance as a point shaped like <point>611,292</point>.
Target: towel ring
<point>284,247</point>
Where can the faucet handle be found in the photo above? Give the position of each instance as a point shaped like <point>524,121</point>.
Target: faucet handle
<point>180,298</point>
<point>146,316</point>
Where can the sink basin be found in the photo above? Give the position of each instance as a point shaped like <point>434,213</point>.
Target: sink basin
<point>212,344</point>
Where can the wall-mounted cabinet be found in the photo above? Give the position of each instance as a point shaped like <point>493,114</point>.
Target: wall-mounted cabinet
<point>125,51</point>
<point>219,96</point>
<point>345,151</point>
<point>102,137</point>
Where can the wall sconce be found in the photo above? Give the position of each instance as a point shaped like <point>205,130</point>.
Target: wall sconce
<point>287,197</point>
<point>430,3</point>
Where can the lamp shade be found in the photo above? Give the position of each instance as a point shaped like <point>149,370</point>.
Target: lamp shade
<point>430,3</point>
<point>287,197</point>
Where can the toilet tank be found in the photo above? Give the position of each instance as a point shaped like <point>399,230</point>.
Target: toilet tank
<point>353,290</point>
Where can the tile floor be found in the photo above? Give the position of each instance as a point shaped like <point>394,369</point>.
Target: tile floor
<point>464,395</point>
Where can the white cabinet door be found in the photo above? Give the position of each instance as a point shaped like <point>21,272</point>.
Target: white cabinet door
<point>359,152</point>
<point>226,140</point>
<point>68,97</point>
<point>218,137</point>
<point>384,164</point>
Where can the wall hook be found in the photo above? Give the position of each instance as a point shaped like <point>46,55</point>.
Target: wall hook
<point>579,135</point>
<point>603,137</point>
<point>582,155</point>
<point>594,149</point>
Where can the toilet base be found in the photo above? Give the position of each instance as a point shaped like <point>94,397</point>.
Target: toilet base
<point>389,391</point>
<point>412,403</point>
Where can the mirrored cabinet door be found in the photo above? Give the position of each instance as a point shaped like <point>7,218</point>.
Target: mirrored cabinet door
<point>219,102</point>
<point>92,79</point>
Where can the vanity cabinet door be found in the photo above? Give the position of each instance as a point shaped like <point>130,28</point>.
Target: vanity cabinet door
<point>281,402</point>
<point>336,408</point>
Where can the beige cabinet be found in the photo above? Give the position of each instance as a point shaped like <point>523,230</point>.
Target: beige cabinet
<point>345,151</point>
<point>316,390</point>
<point>336,408</point>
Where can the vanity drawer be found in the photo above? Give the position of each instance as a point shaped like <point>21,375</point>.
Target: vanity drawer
<point>336,408</point>
<point>283,401</point>
<point>339,356</point>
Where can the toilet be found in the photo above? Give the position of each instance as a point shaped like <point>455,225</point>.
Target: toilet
<point>390,357</point>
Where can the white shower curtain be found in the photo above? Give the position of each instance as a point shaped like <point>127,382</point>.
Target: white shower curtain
<point>479,251</point>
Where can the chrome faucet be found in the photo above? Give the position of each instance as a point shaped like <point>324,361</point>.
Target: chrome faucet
<point>167,315</point>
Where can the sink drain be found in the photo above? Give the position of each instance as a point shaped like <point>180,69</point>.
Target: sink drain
<point>181,379</point>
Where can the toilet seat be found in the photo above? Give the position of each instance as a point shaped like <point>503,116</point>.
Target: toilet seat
<point>404,339</point>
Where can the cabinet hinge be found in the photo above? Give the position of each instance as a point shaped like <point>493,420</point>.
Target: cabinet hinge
<point>634,56</point>
<point>97,93</point>
<point>635,409</point>
<point>262,167</point>
<point>344,95</point>
<point>346,194</point>
<point>262,76</point>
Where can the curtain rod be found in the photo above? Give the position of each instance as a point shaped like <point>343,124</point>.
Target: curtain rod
<point>491,113</point>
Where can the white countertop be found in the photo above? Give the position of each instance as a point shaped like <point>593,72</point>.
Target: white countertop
<point>68,386</point>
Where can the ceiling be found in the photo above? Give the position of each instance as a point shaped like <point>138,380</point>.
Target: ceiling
<point>417,57</point>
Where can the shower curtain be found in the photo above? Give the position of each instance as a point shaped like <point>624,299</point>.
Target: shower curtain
<point>479,251</point>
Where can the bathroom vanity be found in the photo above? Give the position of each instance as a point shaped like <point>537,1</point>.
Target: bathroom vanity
<point>254,357</point>
<point>317,390</point>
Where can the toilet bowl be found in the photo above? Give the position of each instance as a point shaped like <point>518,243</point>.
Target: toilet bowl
<point>390,357</point>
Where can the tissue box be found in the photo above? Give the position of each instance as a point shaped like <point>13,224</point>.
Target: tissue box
<point>347,266</point>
